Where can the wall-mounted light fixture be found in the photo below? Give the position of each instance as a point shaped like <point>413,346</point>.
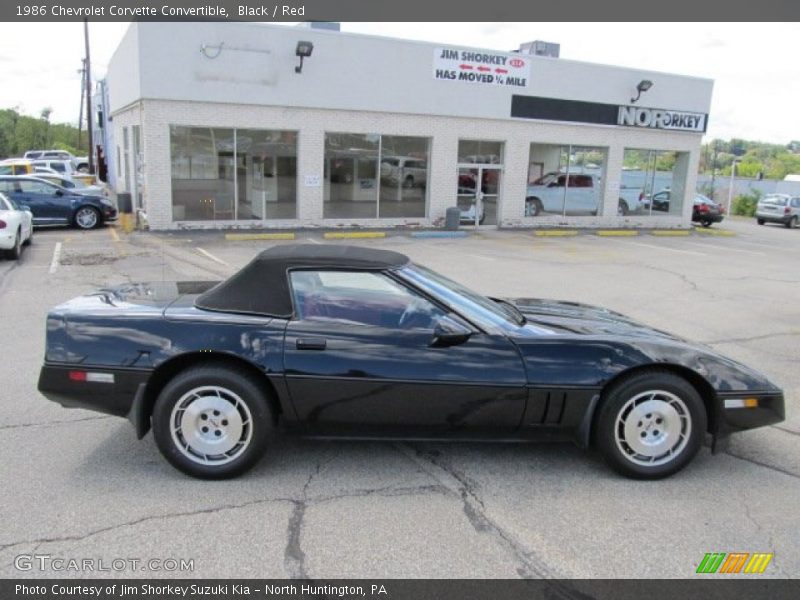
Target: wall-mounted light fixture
<point>303,50</point>
<point>643,86</point>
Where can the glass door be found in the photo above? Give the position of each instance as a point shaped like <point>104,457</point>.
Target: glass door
<point>477,195</point>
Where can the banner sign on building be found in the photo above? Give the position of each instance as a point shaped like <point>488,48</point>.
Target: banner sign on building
<point>576,111</point>
<point>480,66</point>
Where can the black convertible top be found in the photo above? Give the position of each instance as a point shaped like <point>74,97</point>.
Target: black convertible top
<point>261,287</point>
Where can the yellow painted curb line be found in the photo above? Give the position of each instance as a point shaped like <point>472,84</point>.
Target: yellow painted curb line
<point>722,232</point>
<point>617,232</point>
<point>346,235</point>
<point>259,236</point>
<point>556,233</point>
<point>669,232</point>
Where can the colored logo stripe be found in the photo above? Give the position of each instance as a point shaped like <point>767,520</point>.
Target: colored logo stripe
<point>711,562</point>
<point>734,562</point>
<point>758,563</point>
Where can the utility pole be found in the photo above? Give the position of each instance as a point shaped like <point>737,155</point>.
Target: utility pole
<point>88,82</point>
<point>82,71</point>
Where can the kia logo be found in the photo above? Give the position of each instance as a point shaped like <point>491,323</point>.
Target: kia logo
<point>517,62</point>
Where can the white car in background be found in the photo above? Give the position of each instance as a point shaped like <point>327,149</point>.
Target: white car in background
<point>546,195</point>
<point>16,227</point>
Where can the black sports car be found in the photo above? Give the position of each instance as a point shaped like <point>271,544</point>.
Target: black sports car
<point>352,342</point>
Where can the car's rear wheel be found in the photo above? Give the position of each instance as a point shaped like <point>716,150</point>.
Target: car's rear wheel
<point>706,223</point>
<point>87,217</point>
<point>650,424</point>
<point>792,223</point>
<point>213,422</point>
<point>622,208</point>
<point>760,221</point>
<point>29,241</point>
<point>15,252</point>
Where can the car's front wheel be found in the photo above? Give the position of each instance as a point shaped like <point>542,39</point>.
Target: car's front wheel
<point>650,425</point>
<point>760,221</point>
<point>533,207</point>
<point>87,217</point>
<point>213,422</point>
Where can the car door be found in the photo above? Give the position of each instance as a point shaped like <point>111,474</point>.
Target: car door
<point>358,356</point>
<point>48,202</point>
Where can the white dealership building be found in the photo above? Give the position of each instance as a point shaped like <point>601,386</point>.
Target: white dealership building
<point>246,125</point>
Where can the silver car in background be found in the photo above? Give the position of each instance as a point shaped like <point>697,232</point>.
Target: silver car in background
<point>779,208</point>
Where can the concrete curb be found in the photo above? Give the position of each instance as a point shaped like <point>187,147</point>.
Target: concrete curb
<point>353,235</point>
<point>440,234</point>
<point>259,236</point>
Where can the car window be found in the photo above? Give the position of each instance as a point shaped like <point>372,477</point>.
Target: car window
<point>58,166</point>
<point>29,186</point>
<point>4,204</point>
<point>6,186</point>
<point>777,200</point>
<point>360,298</point>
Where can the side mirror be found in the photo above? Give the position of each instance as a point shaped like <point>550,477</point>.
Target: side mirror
<point>449,332</point>
<point>59,193</point>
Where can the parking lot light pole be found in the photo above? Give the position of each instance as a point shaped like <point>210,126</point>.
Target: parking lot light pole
<point>730,189</point>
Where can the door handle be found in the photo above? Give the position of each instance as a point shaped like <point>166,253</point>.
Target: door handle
<point>311,343</point>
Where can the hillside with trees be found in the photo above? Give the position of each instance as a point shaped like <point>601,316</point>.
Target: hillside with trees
<point>19,133</point>
<point>771,161</point>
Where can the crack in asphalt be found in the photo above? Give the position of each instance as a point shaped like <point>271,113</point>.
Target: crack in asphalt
<point>54,423</point>
<point>770,540</point>
<point>145,519</point>
<point>528,564</point>
<point>383,492</point>
<point>762,464</point>
<point>680,276</point>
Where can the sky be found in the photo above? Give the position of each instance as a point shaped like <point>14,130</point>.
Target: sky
<point>754,65</point>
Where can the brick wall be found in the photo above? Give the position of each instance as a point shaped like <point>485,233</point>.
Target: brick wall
<point>156,116</point>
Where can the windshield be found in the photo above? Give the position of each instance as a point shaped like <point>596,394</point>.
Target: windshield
<point>546,179</point>
<point>485,312</point>
<point>779,200</point>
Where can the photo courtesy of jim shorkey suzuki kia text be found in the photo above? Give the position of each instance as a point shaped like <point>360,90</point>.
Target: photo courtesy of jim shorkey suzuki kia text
<point>123,590</point>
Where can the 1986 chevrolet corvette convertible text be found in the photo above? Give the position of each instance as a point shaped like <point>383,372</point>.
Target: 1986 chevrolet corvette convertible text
<point>328,340</point>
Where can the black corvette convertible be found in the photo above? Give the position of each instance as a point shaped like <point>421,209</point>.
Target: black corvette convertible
<point>352,342</point>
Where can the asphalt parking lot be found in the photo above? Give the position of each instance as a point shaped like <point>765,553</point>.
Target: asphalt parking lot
<point>77,484</point>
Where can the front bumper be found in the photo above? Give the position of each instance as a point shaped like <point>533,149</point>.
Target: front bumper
<point>734,414</point>
<point>110,391</point>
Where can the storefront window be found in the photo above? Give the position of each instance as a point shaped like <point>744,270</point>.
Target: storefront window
<point>373,176</point>
<point>565,180</point>
<point>653,181</point>
<point>227,174</point>
<point>480,152</point>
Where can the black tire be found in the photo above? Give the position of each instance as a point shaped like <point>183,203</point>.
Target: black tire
<point>234,382</point>
<point>16,251</point>
<point>682,424</point>
<point>408,182</point>
<point>760,221</point>
<point>622,208</point>
<point>791,223</point>
<point>533,207</point>
<point>87,224</point>
<point>29,241</point>
<point>706,223</point>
